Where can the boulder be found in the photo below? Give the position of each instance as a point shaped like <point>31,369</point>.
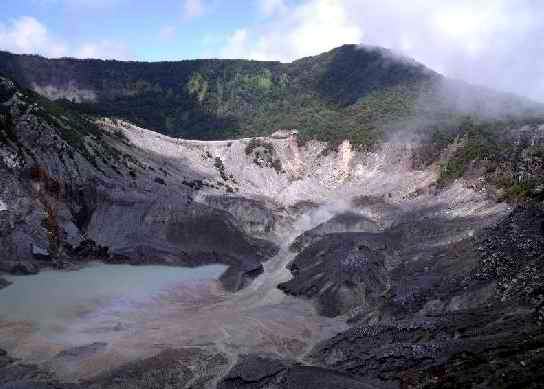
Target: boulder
<point>40,253</point>
<point>3,284</point>
<point>19,268</point>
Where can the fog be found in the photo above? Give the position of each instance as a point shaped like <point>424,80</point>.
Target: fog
<point>495,43</point>
<point>499,44</point>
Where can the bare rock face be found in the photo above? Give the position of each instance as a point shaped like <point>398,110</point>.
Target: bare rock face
<point>17,375</point>
<point>4,283</point>
<point>40,253</point>
<point>19,268</point>
<point>340,271</point>
<point>462,315</point>
<point>143,232</point>
<point>343,222</point>
<point>256,216</point>
<point>454,350</point>
<point>174,368</point>
<point>260,372</point>
<point>81,192</point>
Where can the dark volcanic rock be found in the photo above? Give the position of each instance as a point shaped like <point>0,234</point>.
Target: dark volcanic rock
<point>35,385</point>
<point>88,249</point>
<point>191,235</point>
<point>340,271</point>
<point>259,372</point>
<point>82,351</point>
<point>255,368</point>
<point>5,360</point>
<point>478,347</point>
<point>215,233</point>
<point>344,222</point>
<point>168,369</point>
<point>215,238</point>
<point>20,268</point>
<point>14,374</point>
<point>256,216</point>
<point>236,278</point>
<point>512,255</point>
<point>464,315</point>
<point>4,283</point>
<point>40,253</point>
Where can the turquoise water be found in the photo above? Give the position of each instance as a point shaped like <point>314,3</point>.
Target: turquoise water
<point>55,296</point>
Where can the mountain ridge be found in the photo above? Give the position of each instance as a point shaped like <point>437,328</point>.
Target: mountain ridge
<point>349,92</point>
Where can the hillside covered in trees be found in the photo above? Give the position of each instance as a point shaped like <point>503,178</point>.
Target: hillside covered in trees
<point>349,92</point>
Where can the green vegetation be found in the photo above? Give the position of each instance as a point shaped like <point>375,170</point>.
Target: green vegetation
<point>514,165</point>
<point>7,133</point>
<point>256,143</point>
<point>476,142</point>
<point>198,86</point>
<point>359,94</point>
<point>264,154</point>
<point>79,131</point>
<point>347,92</point>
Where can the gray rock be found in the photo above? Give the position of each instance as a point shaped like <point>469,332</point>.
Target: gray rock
<point>82,351</point>
<point>168,369</point>
<point>260,372</point>
<point>340,271</point>
<point>4,283</point>
<point>256,216</point>
<point>344,222</point>
<point>40,253</point>
<point>20,268</point>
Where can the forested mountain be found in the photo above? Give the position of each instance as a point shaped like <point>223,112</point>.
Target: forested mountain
<point>349,92</point>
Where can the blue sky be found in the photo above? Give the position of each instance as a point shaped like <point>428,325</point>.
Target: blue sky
<point>496,43</point>
<point>130,29</point>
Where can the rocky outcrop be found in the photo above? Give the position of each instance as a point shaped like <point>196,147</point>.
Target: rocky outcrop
<point>256,216</point>
<point>19,268</point>
<point>4,283</point>
<point>464,315</point>
<point>260,372</point>
<point>180,235</point>
<point>340,271</point>
<point>16,374</point>
<point>475,348</point>
<point>174,368</point>
<point>343,222</point>
<point>81,351</point>
<point>40,253</point>
<point>102,203</point>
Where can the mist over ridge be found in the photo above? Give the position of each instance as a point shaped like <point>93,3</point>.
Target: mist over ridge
<point>355,92</point>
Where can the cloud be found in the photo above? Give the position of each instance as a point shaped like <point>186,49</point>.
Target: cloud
<point>192,8</point>
<point>272,7</point>
<point>167,33</point>
<point>26,35</point>
<point>497,43</point>
<point>104,49</point>
<point>238,46</point>
<point>307,29</point>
